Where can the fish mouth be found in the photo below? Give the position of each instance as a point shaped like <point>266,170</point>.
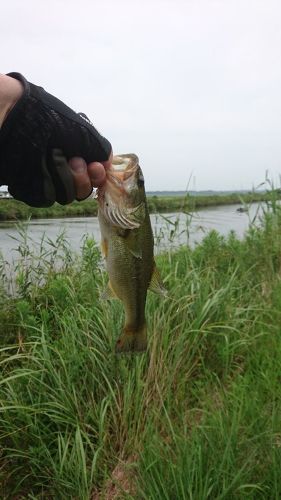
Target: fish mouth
<point>111,194</point>
<point>123,163</point>
<point>123,167</point>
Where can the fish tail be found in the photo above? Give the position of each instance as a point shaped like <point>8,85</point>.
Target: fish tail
<point>132,340</point>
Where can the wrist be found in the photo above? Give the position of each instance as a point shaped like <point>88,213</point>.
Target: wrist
<point>10,92</point>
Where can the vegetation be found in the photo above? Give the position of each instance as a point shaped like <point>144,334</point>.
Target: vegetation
<point>188,203</point>
<point>12,209</point>
<point>197,417</point>
<point>16,210</point>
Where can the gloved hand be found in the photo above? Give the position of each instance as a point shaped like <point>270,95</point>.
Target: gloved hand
<point>37,139</point>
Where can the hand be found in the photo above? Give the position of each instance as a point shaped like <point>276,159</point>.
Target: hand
<point>50,133</point>
<point>85,176</point>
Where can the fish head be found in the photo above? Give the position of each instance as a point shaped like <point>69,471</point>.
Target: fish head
<point>122,197</point>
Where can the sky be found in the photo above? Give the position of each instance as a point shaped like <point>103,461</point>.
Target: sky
<point>193,87</point>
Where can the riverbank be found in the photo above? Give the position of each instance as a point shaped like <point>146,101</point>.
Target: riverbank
<point>198,416</point>
<point>16,210</point>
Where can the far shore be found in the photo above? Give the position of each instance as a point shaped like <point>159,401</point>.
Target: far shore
<point>11,209</point>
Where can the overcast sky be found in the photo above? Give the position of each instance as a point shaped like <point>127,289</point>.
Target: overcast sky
<point>191,86</point>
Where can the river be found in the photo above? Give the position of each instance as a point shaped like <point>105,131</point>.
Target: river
<point>170,229</point>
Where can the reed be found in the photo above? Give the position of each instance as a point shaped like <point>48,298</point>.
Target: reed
<point>196,417</point>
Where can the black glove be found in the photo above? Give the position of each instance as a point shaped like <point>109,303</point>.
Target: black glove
<point>38,137</point>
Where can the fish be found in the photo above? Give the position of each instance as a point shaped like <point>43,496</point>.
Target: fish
<point>127,245</point>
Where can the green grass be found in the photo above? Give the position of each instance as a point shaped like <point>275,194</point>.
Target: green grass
<point>197,417</point>
<point>16,210</point>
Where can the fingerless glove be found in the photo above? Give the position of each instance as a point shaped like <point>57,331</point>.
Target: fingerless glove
<point>38,137</point>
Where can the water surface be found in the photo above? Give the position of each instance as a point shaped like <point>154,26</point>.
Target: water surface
<point>170,229</point>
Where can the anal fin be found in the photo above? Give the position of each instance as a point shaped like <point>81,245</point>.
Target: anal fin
<point>108,293</point>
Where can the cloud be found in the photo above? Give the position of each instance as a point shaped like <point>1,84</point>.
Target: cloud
<point>191,86</point>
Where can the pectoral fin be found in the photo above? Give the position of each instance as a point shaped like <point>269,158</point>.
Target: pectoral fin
<point>133,243</point>
<point>108,293</point>
<point>156,284</point>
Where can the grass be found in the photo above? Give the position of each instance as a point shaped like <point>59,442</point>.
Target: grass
<point>16,210</point>
<point>197,417</point>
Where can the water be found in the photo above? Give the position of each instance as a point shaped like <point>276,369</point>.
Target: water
<point>222,218</point>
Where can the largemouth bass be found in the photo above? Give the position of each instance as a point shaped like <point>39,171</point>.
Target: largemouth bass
<point>127,245</point>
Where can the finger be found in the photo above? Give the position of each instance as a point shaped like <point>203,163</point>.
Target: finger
<point>107,164</point>
<point>81,178</point>
<point>96,172</point>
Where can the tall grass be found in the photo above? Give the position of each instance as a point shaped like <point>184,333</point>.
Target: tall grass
<point>196,417</point>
